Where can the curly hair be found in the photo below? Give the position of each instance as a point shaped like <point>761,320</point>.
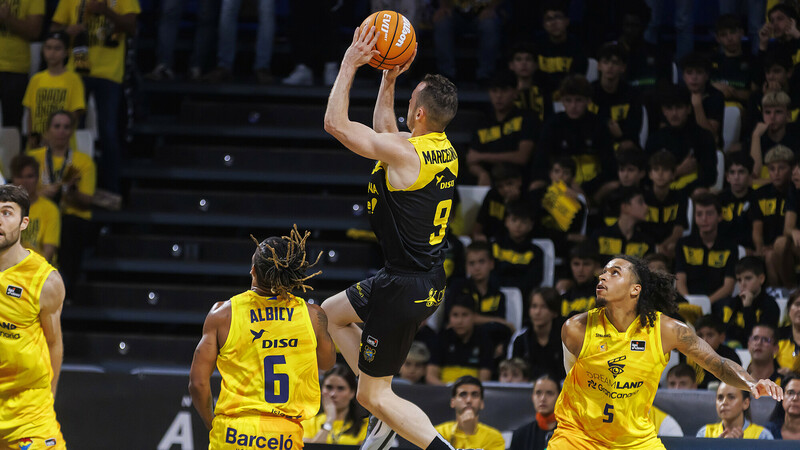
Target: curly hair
<point>280,263</point>
<point>657,294</point>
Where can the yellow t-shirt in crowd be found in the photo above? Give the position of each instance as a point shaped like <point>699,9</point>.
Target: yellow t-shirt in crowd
<point>336,436</point>
<point>47,93</point>
<point>15,52</point>
<point>87,173</point>
<point>44,226</point>
<point>106,59</point>
<point>485,437</point>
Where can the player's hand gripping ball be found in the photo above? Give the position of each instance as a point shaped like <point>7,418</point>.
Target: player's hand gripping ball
<point>396,39</point>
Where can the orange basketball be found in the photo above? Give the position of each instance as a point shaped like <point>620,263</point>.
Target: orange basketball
<point>396,39</point>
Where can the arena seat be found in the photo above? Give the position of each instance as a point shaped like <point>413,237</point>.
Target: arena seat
<point>731,126</point>
<point>10,144</point>
<point>744,356</point>
<point>700,300</point>
<point>591,70</point>
<point>471,201</point>
<point>549,249</point>
<point>36,58</point>
<point>674,358</point>
<point>717,187</point>
<point>130,350</point>
<point>644,132</point>
<point>514,308</point>
<point>85,142</point>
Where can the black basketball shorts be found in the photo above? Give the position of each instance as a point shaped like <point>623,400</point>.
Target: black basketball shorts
<point>393,305</point>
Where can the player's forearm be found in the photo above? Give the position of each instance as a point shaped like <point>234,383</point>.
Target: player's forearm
<point>201,399</point>
<point>383,120</point>
<point>730,373</point>
<point>336,113</point>
<point>56,358</point>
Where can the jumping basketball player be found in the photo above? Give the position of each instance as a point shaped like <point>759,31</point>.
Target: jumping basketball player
<point>614,356</point>
<point>31,347</point>
<point>409,203</point>
<point>268,346</point>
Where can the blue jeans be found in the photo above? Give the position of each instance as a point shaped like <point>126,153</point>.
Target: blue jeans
<point>684,25</point>
<point>755,10</point>
<point>228,23</point>
<point>107,96</point>
<point>444,35</point>
<point>171,11</point>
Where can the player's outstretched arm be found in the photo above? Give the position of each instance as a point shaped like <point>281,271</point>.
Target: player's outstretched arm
<point>50,303</point>
<point>205,358</point>
<point>383,118</point>
<point>677,335</point>
<point>326,350</point>
<point>358,137</point>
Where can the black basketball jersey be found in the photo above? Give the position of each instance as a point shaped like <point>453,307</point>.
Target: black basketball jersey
<point>411,223</point>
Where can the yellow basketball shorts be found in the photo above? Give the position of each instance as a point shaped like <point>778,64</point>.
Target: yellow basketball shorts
<point>256,432</point>
<point>28,421</point>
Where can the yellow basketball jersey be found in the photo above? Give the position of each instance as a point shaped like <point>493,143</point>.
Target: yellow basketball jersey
<point>24,354</point>
<point>269,361</point>
<point>752,431</point>
<point>608,393</point>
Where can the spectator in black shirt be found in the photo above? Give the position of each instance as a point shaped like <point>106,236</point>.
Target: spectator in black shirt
<point>732,68</point>
<point>625,236</point>
<point>777,69</point>
<point>787,247</point>
<point>535,435</point>
<point>531,95</point>
<point>711,330</point>
<point>580,291</point>
<point>540,344</point>
<point>507,181</point>
<point>780,31</point>
<point>579,134</point>
<point>737,199</point>
<point>614,101</point>
<point>767,213</point>
<point>681,376</point>
<point>753,305</point>
<point>507,133</point>
<point>693,147</point>
<point>704,260</point>
<point>560,53</point>
<point>775,129</point>
<point>708,104</point>
<point>763,346</point>
<point>631,170</point>
<point>519,261</point>
<point>462,348</point>
<point>666,217</point>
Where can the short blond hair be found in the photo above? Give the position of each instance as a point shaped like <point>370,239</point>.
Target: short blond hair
<point>779,153</point>
<point>772,99</point>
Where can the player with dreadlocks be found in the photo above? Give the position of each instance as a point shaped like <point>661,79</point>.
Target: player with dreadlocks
<point>268,346</point>
<point>614,356</point>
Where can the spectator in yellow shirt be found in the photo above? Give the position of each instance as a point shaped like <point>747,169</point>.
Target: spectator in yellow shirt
<point>20,23</point>
<point>44,227</point>
<point>467,431</point>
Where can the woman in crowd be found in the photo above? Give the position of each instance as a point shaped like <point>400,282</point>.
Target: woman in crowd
<point>540,344</point>
<point>341,421</point>
<point>534,436</point>
<point>785,421</point>
<point>733,407</point>
<point>789,337</point>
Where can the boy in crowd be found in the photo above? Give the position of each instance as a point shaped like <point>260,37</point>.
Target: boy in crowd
<point>467,431</point>
<point>687,312</point>
<point>614,101</point>
<point>484,289</point>
<point>519,261</point>
<point>704,260</point>
<point>506,134</point>
<point>415,366</point>
<point>787,247</point>
<point>522,62</point>
<point>43,234</point>
<point>780,31</point>
<point>666,217</point>
<point>767,213</point>
<point>753,305</point>
<point>561,207</point>
<point>581,294</point>
<point>579,134</point>
<point>732,69</point>
<point>763,346</point>
<point>560,53</point>
<point>775,129</point>
<point>462,348</point>
<point>631,170</point>
<point>736,199</point>
<point>507,181</point>
<point>514,370</point>
<point>625,237</point>
<point>711,330</point>
<point>777,71</point>
<point>681,376</point>
<point>692,146</point>
<point>708,104</point>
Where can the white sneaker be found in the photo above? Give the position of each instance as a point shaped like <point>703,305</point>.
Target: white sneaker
<point>300,76</point>
<point>379,435</point>
<point>330,72</point>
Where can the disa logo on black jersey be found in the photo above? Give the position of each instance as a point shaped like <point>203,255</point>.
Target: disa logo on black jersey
<point>14,291</point>
<point>615,367</point>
